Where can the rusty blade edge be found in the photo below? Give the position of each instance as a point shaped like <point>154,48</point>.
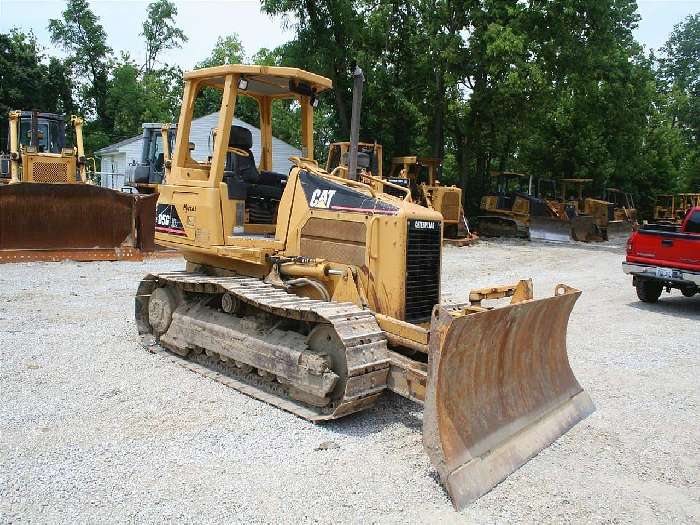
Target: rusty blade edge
<point>477,477</point>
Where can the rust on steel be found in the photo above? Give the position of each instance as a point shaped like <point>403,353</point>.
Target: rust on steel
<point>86,254</point>
<point>500,389</point>
<point>74,218</point>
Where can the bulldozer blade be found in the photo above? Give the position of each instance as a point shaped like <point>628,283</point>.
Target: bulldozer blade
<point>73,221</point>
<point>500,389</point>
<point>584,228</point>
<point>549,229</point>
<point>619,229</point>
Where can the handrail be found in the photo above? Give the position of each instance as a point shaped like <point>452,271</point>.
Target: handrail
<point>406,198</point>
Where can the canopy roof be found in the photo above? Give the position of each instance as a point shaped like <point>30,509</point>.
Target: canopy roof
<point>577,181</point>
<point>270,81</point>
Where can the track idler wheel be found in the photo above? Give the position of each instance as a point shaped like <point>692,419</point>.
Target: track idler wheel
<point>161,306</point>
<point>324,341</point>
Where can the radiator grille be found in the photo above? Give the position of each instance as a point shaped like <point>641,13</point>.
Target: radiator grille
<point>422,269</point>
<point>49,172</point>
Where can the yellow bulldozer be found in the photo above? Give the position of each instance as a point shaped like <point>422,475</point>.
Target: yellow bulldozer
<point>615,215</point>
<point>369,160</point>
<point>50,211</point>
<point>420,175</point>
<point>335,297</point>
<point>671,209</point>
<point>417,175</point>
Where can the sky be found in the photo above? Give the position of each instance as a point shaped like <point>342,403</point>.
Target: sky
<point>204,20</point>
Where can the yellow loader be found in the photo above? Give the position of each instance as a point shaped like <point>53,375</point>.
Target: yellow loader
<point>49,209</point>
<point>335,298</point>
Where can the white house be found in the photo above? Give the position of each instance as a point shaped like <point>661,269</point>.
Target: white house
<point>116,157</point>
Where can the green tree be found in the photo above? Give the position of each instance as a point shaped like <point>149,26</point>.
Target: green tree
<point>83,38</point>
<point>679,70</point>
<point>125,99</point>
<point>327,33</point>
<point>160,31</point>
<point>227,50</point>
<point>27,81</point>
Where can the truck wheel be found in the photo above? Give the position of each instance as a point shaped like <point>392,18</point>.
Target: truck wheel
<point>648,291</point>
<point>689,292</point>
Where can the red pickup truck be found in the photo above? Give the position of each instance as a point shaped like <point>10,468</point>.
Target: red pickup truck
<point>661,256</point>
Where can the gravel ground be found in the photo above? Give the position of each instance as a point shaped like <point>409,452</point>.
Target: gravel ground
<point>95,429</point>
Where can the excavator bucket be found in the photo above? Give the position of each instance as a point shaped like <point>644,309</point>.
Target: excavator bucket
<point>74,221</point>
<point>500,389</point>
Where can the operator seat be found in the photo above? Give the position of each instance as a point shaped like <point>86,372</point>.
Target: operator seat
<point>241,162</point>
<point>262,191</point>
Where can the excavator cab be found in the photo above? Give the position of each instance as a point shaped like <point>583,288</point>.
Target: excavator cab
<point>333,296</point>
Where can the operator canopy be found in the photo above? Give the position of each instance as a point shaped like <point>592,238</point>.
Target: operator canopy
<point>264,81</point>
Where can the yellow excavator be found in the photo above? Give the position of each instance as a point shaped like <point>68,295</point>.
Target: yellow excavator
<point>321,306</point>
<point>51,212</point>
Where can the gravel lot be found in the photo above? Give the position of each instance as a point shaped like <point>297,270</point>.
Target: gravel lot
<point>94,429</point>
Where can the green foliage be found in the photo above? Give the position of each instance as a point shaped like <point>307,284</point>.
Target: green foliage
<point>28,80</point>
<point>679,71</point>
<point>125,99</point>
<point>556,89</point>
<point>83,38</point>
<point>228,50</point>
<point>160,31</point>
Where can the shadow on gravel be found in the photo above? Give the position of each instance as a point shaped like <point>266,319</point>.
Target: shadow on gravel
<point>391,409</point>
<point>609,246</point>
<point>614,246</point>
<point>688,307</point>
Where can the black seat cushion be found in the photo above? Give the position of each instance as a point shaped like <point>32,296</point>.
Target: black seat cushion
<point>242,166</point>
<point>262,191</point>
<point>271,178</point>
<point>245,167</point>
<point>240,137</point>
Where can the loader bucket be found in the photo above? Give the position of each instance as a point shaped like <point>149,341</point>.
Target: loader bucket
<point>500,389</point>
<point>73,221</point>
<point>549,229</point>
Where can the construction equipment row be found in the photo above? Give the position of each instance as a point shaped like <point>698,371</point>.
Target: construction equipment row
<point>523,206</point>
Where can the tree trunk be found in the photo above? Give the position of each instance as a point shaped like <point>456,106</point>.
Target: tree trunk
<point>438,118</point>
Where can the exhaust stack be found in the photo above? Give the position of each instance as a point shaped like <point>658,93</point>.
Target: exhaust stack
<point>358,79</point>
